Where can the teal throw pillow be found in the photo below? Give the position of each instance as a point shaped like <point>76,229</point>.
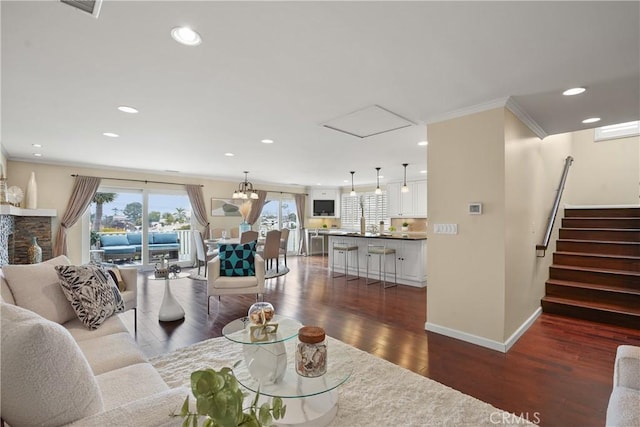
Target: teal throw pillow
<point>237,259</point>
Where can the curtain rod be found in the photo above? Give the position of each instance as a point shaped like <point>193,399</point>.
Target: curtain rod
<point>136,180</point>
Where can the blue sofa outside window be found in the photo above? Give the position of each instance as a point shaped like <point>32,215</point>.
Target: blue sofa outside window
<point>128,246</point>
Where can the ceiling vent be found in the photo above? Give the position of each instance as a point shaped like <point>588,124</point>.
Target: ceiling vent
<point>369,121</point>
<point>92,7</point>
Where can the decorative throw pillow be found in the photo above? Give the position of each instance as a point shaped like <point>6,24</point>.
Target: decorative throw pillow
<point>46,381</point>
<point>114,272</point>
<point>237,259</point>
<point>91,291</point>
<point>35,287</point>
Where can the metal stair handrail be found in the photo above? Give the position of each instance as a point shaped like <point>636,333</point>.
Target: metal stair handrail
<point>542,249</point>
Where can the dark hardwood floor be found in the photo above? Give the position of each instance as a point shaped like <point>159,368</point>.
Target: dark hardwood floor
<point>559,372</point>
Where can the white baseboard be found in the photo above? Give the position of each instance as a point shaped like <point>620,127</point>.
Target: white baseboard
<point>485,342</point>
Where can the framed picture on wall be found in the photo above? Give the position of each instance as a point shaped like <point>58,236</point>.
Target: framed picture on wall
<point>224,207</point>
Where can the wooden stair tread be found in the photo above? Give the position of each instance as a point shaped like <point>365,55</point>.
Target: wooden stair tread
<point>595,269</point>
<point>599,229</point>
<point>602,306</point>
<point>597,255</point>
<point>613,242</point>
<point>593,286</point>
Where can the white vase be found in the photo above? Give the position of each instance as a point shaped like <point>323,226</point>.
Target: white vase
<point>32,192</point>
<point>363,225</point>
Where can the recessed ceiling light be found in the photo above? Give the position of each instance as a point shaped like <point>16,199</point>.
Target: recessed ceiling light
<point>574,91</point>
<point>37,154</point>
<point>591,120</point>
<point>423,143</point>
<point>267,141</point>
<point>111,134</point>
<point>319,183</point>
<point>186,36</point>
<point>346,180</point>
<point>424,171</point>
<point>126,109</point>
<point>36,145</point>
<point>381,176</point>
<point>229,154</point>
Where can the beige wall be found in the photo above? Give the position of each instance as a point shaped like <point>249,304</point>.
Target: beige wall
<point>55,184</point>
<point>608,171</point>
<point>466,281</point>
<point>532,172</point>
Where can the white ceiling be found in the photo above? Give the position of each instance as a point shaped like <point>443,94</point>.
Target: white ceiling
<point>279,70</point>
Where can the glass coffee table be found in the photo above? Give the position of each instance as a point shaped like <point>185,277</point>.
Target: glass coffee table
<point>269,367</point>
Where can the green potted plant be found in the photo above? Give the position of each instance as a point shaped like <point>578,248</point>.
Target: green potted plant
<point>220,400</point>
<point>325,226</point>
<point>405,226</point>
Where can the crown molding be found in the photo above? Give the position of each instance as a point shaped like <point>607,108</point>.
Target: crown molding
<point>525,118</point>
<point>478,108</point>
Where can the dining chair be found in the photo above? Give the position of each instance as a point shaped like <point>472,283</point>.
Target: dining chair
<point>202,256</point>
<point>271,249</point>
<point>249,236</point>
<point>216,233</point>
<point>235,232</point>
<point>284,242</point>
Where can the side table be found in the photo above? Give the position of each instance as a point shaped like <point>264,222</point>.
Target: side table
<point>170,309</point>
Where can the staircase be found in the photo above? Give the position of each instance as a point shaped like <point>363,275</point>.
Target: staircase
<point>595,273</point>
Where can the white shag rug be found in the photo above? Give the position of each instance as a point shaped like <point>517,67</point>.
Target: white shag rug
<point>377,393</point>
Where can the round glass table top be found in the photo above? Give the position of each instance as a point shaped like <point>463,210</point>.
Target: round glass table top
<point>171,276</point>
<point>240,330</point>
<point>339,369</point>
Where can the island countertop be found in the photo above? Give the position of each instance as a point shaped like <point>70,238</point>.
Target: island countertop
<point>385,235</point>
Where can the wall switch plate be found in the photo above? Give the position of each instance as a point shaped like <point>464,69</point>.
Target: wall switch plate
<point>445,228</point>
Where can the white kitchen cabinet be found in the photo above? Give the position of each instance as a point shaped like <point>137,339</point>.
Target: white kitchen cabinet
<point>410,204</point>
<point>411,259</point>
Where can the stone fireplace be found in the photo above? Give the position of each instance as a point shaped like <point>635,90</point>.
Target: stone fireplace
<point>18,226</point>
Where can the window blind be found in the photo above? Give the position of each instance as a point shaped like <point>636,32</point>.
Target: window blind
<point>374,205</point>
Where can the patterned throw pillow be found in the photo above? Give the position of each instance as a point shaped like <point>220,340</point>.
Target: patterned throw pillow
<point>91,291</point>
<point>237,259</point>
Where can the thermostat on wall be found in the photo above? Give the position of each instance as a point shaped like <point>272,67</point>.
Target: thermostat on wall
<point>475,208</point>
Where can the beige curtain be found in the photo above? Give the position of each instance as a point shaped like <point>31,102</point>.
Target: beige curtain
<point>256,207</point>
<point>199,207</point>
<point>300,209</point>
<point>84,189</point>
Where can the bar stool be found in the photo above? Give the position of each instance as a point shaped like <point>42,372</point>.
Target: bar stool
<point>312,239</point>
<point>382,251</point>
<point>346,248</point>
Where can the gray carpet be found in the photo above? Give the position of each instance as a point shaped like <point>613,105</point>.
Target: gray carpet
<point>377,393</point>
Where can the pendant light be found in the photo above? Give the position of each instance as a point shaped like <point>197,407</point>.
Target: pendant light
<point>353,191</point>
<point>378,190</point>
<point>245,190</point>
<point>405,189</point>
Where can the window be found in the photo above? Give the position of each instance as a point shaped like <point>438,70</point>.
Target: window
<point>375,209</point>
<point>621,130</point>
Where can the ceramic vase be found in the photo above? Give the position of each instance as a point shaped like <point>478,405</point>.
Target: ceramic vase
<point>34,252</point>
<point>363,225</point>
<point>32,192</point>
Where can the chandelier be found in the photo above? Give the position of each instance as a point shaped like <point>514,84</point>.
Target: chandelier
<point>245,190</point>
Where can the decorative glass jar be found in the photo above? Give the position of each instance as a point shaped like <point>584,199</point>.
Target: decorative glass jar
<point>311,352</point>
<point>261,313</point>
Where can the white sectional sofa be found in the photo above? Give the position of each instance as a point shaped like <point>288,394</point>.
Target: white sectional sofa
<point>624,403</point>
<point>56,371</point>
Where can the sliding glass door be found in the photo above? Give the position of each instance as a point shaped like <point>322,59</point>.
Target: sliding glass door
<point>279,211</point>
<point>141,227</point>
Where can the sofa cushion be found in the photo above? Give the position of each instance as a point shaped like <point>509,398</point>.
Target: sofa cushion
<point>122,352</point>
<point>130,383</point>
<point>164,238</point>
<point>113,240</point>
<point>79,332</point>
<point>36,288</point>
<point>92,292</point>
<point>136,238</point>
<point>237,259</point>
<point>46,381</point>
<point>623,409</point>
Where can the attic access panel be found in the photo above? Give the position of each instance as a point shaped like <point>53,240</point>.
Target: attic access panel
<point>369,121</point>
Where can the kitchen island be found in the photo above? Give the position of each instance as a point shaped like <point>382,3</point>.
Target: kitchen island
<point>411,255</point>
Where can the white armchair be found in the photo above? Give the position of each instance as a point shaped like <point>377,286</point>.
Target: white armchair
<point>234,285</point>
<point>624,403</point>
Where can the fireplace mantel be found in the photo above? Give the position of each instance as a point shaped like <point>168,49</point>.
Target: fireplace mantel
<point>14,211</point>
